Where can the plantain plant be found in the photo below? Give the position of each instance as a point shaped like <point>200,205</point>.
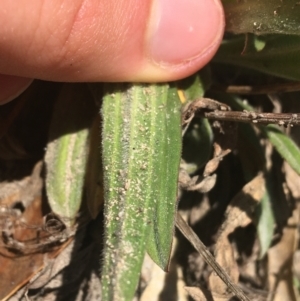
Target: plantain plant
<point>141,148</point>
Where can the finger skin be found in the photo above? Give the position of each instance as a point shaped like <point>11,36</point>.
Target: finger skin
<point>71,40</point>
<point>92,40</point>
<point>12,86</point>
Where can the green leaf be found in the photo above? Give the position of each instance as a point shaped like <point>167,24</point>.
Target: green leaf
<point>266,223</point>
<point>262,17</point>
<point>277,55</point>
<point>197,141</point>
<point>67,150</point>
<point>141,154</point>
<point>285,146</point>
<point>195,86</point>
<point>164,187</point>
<point>197,145</point>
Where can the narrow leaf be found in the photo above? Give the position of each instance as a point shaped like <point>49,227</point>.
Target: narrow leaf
<point>141,153</point>
<point>66,152</point>
<point>266,223</point>
<point>262,17</point>
<point>197,141</point>
<point>285,146</point>
<point>272,54</point>
<point>195,86</point>
<point>197,145</point>
<point>164,187</point>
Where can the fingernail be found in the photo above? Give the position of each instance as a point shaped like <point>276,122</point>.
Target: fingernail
<point>12,86</point>
<point>182,30</point>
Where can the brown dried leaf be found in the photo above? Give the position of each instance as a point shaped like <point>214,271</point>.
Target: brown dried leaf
<point>213,164</point>
<point>154,278</point>
<point>280,258</point>
<point>203,295</point>
<point>196,293</point>
<point>296,265</point>
<point>238,214</point>
<point>196,183</point>
<point>240,211</point>
<point>205,185</point>
<point>22,233</point>
<point>159,285</point>
<point>200,247</point>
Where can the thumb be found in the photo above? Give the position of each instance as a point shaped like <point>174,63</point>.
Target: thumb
<point>105,40</point>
